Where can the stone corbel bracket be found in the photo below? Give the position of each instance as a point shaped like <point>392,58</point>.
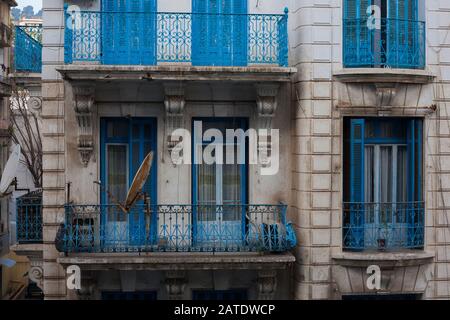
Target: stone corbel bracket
<point>36,273</point>
<point>266,284</point>
<point>174,103</point>
<point>83,104</point>
<point>385,93</point>
<point>267,103</point>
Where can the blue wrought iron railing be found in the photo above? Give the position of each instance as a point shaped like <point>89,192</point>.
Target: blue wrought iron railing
<point>28,49</point>
<point>29,219</point>
<point>383,226</point>
<point>176,228</point>
<point>393,44</point>
<point>152,38</point>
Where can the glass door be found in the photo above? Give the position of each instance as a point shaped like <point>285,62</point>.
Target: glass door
<point>219,187</point>
<point>385,193</point>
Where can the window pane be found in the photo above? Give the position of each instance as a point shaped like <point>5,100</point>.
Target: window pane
<point>117,173</point>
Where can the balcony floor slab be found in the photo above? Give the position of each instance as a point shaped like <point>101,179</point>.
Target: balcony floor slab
<point>102,73</point>
<point>179,261</point>
<point>383,75</point>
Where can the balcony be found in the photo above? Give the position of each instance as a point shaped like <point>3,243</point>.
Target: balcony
<point>28,49</point>
<point>114,38</point>
<point>29,218</point>
<point>383,226</point>
<point>5,35</point>
<point>176,228</point>
<point>396,44</point>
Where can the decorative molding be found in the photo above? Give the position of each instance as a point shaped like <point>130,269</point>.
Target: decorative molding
<point>266,284</point>
<point>266,99</point>
<point>174,103</point>
<point>83,104</point>
<point>36,273</point>
<point>35,103</point>
<point>175,284</point>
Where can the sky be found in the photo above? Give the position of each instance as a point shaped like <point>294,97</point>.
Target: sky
<point>37,4</point>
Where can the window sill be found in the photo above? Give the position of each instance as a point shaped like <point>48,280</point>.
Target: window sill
<point>384,259</point>
<point>383,75</point>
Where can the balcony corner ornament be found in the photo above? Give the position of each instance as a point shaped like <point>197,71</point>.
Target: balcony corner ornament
<point>175,284</point>
<point>83,105</point>
<point>267,284</point>
<point>174,103</point>
<point>35,104</point>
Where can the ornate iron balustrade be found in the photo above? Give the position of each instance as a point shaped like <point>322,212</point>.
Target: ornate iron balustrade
<point>176,228</point>
<point>5,35</point>
<point>395,44</point>
<point>383,226</point>
<point>27,49</point>
<point>29,219</point>
<point>92,36</point>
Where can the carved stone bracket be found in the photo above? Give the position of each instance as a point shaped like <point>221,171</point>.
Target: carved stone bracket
<point>174,103</point>
<point>36,273</point>
<point>266,99</point>
<point>267,284</point>
<point>83,105</point>
<point>175,283</point>
<point>385,93</point>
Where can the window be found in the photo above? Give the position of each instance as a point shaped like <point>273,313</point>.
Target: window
<point>138,295</point>
<point>124,145</point>
<point>235,294</point>
<point>383,205</point>
<point>396,39</point>
<point>221,187</point>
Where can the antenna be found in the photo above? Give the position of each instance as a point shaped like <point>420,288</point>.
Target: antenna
<point>139,180</point>
<point>135,191</point>
<point>9,173</point>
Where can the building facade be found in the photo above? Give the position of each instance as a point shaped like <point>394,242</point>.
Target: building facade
<point>356,90</point>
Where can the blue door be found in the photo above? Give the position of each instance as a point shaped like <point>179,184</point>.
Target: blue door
<point>124,145</point>
<point>129,32</point>
<point>219,32</point>
<point>219,188</point>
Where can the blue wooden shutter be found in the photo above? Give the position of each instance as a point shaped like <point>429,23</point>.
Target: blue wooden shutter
<point>357,213</point>
<point>240,31</point>
<point>129,32</point>
<point>358,39</point>
<point>415,213</point>
<point>402,34</point>
<point>200,33</point>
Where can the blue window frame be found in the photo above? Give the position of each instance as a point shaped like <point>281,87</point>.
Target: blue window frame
<point>124,144</point>
<point>219,191</point>
<point>233,294</point>
<point>129,32</point>
<point>398,42</point>
<point>383,204</point>
<point>219,32</point>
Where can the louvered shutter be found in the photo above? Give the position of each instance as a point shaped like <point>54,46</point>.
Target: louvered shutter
<point>357,212</point>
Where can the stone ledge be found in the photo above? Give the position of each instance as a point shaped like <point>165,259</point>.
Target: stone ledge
<point>180,261</point>
<point>175,73</point>
<point>383,259</point>
<point>5,88</point>
<point>383,75</point>
<point>29,249</point>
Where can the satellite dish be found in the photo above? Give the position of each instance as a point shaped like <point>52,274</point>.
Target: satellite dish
<point>10,169</point>
<point>139,180</point>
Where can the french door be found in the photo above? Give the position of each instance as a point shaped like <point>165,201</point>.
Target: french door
<point>219,188</point>
<point>385,192</point>
<point>219,32</point>
<point>124,145</point>
<point>129,32</point>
